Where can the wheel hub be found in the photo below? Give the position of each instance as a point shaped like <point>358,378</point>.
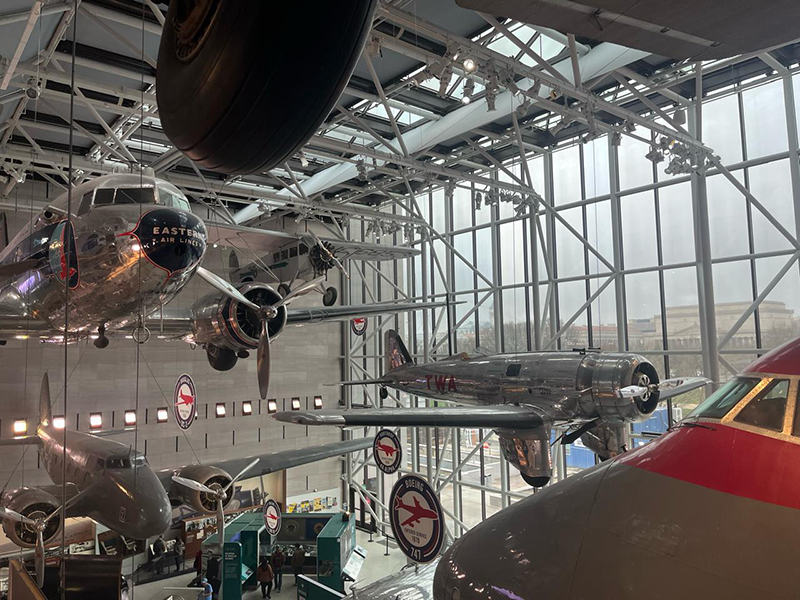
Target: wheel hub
<point>193,19</point>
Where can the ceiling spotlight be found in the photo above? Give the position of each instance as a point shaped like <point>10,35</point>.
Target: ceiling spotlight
<point>680,116</point>
<point>469,89</point>
<point>469,64</point>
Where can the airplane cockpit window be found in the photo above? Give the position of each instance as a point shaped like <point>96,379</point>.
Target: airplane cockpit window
<point>86,204</point>
<point>100,464</point>
<point>767,408</point>
<point>513,370</point>
<point>118,462</point>
<point>169,198</point>
<point>109,196</point>
<point>135,195</point>
<point>719,404</point>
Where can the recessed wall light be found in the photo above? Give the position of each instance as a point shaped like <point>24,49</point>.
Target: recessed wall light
<point>317,402</point>
<point>162,415</point>
<point>247,408</point>
<point>59,422</point>
<point>20,427</point>
<point>272,406</point>
<point>295,403</point>
<point>220,410</point>
<point>95,420</point>
<point>130,418</point>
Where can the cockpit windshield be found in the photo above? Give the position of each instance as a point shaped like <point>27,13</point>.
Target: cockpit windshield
<point>169,198</point>
<point>720,403</point>
<point>134,195</point>
<point>126,462</point>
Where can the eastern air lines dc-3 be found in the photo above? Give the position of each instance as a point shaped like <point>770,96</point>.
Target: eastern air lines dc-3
<point>113,484</point>
<point>130,246</point>
<point>521,396</point>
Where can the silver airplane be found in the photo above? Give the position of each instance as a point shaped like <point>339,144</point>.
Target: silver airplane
<point>114,485</point>
<point>522,397</point>
<point>130,246</point>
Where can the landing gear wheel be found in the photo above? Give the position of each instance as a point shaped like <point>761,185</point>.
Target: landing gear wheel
<point>220,359</point>
<point>221,83</point>
<point>284,289</point>
<point>242,354</point>
<point>330,296</point>
<point>536,482</point>
<point>383,393</point>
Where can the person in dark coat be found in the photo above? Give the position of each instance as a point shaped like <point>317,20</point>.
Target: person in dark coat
<point>278,560</point>
<point>265,575</point>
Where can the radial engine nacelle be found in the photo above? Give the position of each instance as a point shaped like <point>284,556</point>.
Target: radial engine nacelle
<point>33,503</point>
<point>229,330</point>
<point>211,477</point>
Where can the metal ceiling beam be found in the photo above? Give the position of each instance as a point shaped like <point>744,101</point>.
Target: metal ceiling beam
<point>36,10</point>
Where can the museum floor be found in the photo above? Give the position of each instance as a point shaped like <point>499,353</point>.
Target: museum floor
<point>376,566</point>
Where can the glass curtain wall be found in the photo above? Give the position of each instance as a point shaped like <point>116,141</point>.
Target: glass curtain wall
<point>613,265</point>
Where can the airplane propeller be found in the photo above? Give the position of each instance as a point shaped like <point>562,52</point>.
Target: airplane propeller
<point>39,525</point>
<point>265,314</point>
<point>637,391</point>
<point>219,494</point>
<point>329,255</point>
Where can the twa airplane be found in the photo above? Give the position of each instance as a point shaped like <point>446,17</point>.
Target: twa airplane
<point>522,397</point>
<point>711,509</point>
<point>417,513</point>
<point>129,247</point>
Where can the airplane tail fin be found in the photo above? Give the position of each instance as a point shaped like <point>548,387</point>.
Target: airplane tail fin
<point>45,409</point>
<point>396,353</point>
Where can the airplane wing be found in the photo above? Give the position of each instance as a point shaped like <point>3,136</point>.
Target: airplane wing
<point>247,238</point>
<point>368,251</point>
<point>489,417</point>
<point>278,461</point>
<point>298,316</point>
<point>669,388</point>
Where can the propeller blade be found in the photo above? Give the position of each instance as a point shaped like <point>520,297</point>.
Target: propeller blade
<point>15,516</point>
<point>221,525</point>
<point>242,472</point>
<point>44,392</point>
<point>226,288</point>
<point>263,361</point>
<point>300,290</point>
<point>18,268</point>
<point>193,485</point>
<point>632,391</point>
<point>39,559</point>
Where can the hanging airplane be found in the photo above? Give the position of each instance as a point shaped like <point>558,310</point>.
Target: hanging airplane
<point>522,397</point>
<point>113,484</point>
<point>130,246</point>
<point>710,509</point>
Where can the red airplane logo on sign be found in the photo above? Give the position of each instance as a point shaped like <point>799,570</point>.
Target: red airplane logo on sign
<point>387,449</point>
<point>64,272</point>
<point>272,517</point>
<point>185,399</point>
<point>417,512</point>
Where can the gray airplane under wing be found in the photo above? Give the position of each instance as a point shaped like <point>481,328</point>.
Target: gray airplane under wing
<point>503,417</point>
<point>278,461</point>
<point>408,584</point>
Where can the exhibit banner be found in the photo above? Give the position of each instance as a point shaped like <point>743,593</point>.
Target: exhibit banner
<point>417,519</point>
<point>185,401</point>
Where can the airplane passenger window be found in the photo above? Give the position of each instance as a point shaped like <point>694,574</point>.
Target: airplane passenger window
<point>513,370</point>
<point>718,404</point>
<point>767,409</point>
<point>104,197</point>
<point>135,196</point>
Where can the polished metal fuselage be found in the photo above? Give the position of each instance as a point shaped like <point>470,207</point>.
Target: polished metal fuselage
<point>563,386</point>
<point>111,279</point>
<point>131,500</point>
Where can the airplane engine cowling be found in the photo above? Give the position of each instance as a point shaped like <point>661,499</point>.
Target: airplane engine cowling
<point>605,375</point>
<point>33,503</point>
<point>220,321</point>
<point>210,477</point>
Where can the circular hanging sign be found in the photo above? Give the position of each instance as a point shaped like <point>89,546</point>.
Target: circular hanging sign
<point>387,451</point>
<point>272,517</point>
<point>359,325</point>
<point>417,518</point>
<point>185,401</point>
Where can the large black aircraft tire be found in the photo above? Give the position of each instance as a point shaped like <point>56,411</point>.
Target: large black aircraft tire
<point>243,84</point>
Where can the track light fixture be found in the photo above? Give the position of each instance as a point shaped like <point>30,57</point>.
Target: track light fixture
<point>470,65</point>
<point>468,91</point>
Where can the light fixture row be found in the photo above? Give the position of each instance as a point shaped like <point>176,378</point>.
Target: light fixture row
<point>162,415</point>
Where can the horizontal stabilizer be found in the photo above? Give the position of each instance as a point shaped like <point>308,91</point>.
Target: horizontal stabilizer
<point>488,417</point>
<point>28,440</point>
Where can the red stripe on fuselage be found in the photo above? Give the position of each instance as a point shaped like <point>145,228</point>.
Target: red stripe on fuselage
<point>726,459</point>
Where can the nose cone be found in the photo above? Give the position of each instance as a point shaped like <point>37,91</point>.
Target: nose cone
<point>144,507</point>
<point>174,240</point>
<point>526,551</point>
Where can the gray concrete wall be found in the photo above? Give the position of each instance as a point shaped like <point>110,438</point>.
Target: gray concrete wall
<point>123,376</point>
